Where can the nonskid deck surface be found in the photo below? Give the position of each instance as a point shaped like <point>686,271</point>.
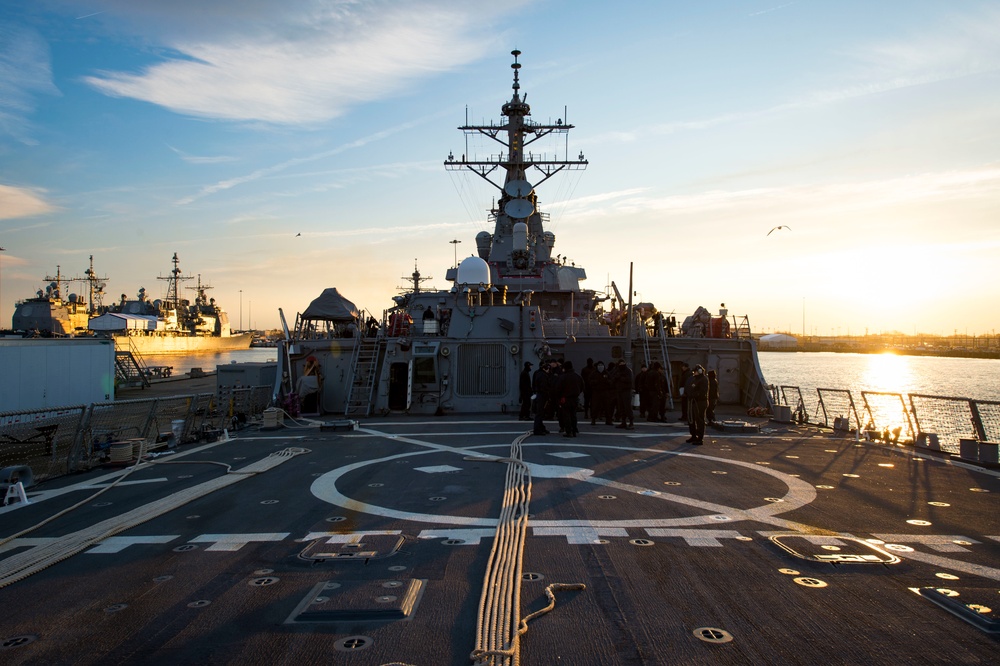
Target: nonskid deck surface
<point>370,547</point>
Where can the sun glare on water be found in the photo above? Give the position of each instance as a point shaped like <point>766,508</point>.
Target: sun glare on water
<point>887,372</point>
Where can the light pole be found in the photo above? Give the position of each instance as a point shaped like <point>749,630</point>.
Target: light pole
<point>454,244</point>
<point>241,310</point>
<point>2,249</point>
<point>250,314</point>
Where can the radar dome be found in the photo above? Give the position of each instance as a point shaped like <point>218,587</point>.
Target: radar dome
<point>473,270</point>
<point>484,240</point>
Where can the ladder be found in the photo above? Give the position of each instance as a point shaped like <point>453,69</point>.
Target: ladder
<point>364,375</point>
<point>666,361</point>
<point>129,367</point>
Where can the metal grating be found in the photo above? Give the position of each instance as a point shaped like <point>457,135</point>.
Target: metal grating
<point>482,369</point>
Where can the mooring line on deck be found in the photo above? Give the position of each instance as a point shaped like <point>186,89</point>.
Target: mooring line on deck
<point>22,565</point>
<point>499,625</point>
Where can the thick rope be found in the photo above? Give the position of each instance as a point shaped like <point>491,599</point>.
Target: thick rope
<point>22,565</point>
<point>499,626</point>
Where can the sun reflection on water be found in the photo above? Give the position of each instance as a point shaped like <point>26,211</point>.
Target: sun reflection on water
<point>887,372</point>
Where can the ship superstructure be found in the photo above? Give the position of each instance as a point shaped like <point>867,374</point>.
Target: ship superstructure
<point>515,301</point>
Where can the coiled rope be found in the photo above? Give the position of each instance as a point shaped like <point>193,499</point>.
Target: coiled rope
<point>22,565</point>
<point>499,626</point>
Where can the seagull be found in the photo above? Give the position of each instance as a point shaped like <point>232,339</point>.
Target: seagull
<point>297,235</point>
<point>779,227</point>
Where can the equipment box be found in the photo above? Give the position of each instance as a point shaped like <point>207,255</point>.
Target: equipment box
<point>245,375</point>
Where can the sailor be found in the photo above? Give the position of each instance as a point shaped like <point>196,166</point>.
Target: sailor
<point>568,390</point>
<point>525,392</point>
<point>601,405</point>
<point>656,385</point>
<point>713,394</point>
<point>642,390</point>
<point>696,392</point>
<point>540,385</point>
<point>311,381</point>
<point>588,389</point>
<point>623,381</point>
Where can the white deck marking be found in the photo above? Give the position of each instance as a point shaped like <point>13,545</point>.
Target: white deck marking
<point>703,538</point>
<point>231,542</point>
<point>437,469</point>
<point>347,537</point>
<point>29,542</point>
<point>579,535</point>
<point>568,454</point>
<point>117,544</point>
<point>800,493</point>
<point>942,543</point>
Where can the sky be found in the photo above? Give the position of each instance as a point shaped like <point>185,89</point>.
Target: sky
<point>283,148</point>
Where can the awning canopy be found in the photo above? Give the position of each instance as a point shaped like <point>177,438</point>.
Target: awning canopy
<point>331,306</point>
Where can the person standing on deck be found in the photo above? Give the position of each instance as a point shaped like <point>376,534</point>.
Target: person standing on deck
<point>696,392</point>
<point>641,390</point>
<point>624,380</point>
<point>713,395</point>
<point>588,389</point>
<point>603,395</point>
<point>541,385</point>
<point>568,390</point>
<point>525,392</point>
<point>657,386</point>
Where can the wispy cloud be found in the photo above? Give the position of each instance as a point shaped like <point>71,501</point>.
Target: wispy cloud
<point>771,9</point>
<point>18,202</point>
<point>307,64</point>
<point>201,159</point>
<point>25,73</point>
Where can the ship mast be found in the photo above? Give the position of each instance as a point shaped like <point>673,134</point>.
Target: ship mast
<point>513,249</point>
<point>173,297</point>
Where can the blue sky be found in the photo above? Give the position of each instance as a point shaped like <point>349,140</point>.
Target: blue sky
<point>133,129</point>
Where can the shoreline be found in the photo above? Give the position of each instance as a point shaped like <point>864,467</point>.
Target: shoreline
<point>852,349</point>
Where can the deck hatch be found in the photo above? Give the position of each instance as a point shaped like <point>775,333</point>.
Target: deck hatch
<point>833,549</point>
<point>359,602</point>
<point>963,603</point>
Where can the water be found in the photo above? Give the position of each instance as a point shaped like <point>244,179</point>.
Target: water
<point>182,363</point>
<point>974,378</point>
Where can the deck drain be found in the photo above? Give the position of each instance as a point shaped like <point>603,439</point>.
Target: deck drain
<point>185,548</point>
<point>825,487</point>
<point>898,547</point>
<point>386,599</point>
<point>744,538</point>
<point>437,499</point>
<point>336,519</point>
<point>763,462</point>
<point>922,523</point>
<point>453,542</point>
<point>397,567</point>
<point>392,583</point>
<point>961,542</point>
<point>321,600</point>
<point>263,572</point>
<point>671,483</point>
<point>806,581</point>
<point>601,541</point>
<point>719,471</point>
<point>184,476</point>
<point>649,493</point>
<point>201,603</point>
<point>947,576</point>
<point>264,581</point>
<point>712,635</point>
<point>114,608</point>
<point>531,576</point>
<point>789,572</point>
<point>946,592</point>
<point>830,547</point>
<point>331,586</point>
<point>979,490</point>
<point>162,579</point>
<point>375,485</point>
<point>101,504</point>
<point>939,504</point>
<point>353,643</point>
<point>852,476</point>
<point>641,542</point>
<point>886,465</point>
<point>773,499</point>
<point>269,502</point>
<point>792,457</point>
<point>17,641</point>
<point>607,497</point>
<point>194,517</point>
<point>720,518</point>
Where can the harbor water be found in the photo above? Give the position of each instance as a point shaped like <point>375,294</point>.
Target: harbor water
<point>891,373</point>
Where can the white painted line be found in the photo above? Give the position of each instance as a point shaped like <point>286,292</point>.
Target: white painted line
<point>347,537</point>
<point>702,538</point>
<point>117,544</point>
<point>438,469</point>
<point>27,543</point>
<point>231,542</point>
<point>579,535</point>
<point>942,543</point>
<point>470,537</point>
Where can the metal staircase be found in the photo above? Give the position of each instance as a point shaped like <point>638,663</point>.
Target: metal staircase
<point>130,370</point>
<point>363,378</point>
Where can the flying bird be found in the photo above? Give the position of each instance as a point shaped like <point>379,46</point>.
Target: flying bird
<point>297,235</point>
<point>782,226</point>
